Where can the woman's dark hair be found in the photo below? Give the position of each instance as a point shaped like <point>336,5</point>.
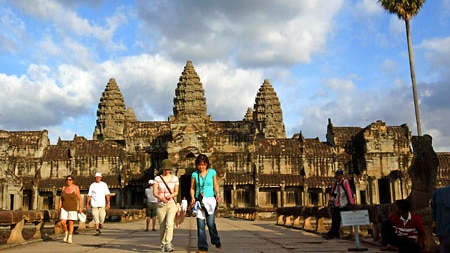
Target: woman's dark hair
<point>202,158</point>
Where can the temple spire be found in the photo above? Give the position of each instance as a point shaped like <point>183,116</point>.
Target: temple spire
<point>189,104</point>
<point>112,114</point>
<point>267,113</point>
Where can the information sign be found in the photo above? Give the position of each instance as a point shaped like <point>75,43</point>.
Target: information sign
<point>353,218</point>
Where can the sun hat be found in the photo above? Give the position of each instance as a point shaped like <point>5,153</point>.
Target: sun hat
<point>166,165</point>
<point>98,174</point>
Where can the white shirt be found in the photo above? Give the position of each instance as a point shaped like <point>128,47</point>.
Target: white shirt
<point>98,192</point>
<point>149,195</point>
<point>184,204</point>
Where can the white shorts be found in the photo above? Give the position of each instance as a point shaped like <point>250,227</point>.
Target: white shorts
<point>68,215</point>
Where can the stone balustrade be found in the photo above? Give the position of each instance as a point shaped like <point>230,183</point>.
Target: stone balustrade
<point>17,219</point>
<point>318,219</point>
<point>256,213</point>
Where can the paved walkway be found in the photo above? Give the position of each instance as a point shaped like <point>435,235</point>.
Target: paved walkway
<point>237,236</point>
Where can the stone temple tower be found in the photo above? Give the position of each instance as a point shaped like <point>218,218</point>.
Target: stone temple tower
<point>112,114</point>
<point>189,104</point>
<point>189,122</point>
<point>267,114</point>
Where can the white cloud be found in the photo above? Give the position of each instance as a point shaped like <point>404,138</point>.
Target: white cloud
<point>397,26</point>
<point>272,34</point>
<point>368,8</point>
<point>326,59</point>
<point>437,52</point>
<point>13,31</point>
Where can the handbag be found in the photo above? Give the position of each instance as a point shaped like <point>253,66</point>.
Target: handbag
<point>179,217</point>
<point>82,217</point>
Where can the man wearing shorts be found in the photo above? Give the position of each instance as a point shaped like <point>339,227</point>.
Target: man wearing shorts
<point>151,204</point>
<point>99,199</point>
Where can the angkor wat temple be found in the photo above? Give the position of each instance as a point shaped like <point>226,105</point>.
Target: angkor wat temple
<point>258,166</point>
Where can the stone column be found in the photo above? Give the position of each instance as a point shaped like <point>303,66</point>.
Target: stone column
<point>34,196</point>
<point>234,196</point>
<point>357,191</point>
<point>323,195</point>
<point>55,200</point>
<point>392,188</point>
<point>256,192</point>
<point>375,192</point>
<point>305,200</point>
<point>282,193</point>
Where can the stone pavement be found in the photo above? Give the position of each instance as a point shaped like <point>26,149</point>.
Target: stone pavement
<point>236,235</point>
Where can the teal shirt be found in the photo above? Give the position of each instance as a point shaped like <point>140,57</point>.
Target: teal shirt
<point>206,184</point>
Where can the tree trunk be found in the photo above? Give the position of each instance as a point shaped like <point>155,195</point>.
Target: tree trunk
<point>413,77</point>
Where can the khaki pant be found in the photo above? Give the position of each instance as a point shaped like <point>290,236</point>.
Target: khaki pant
<point>99,214</point>
<point>166,216</point>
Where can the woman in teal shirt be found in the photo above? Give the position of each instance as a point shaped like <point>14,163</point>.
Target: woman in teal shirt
<point>205,193</point>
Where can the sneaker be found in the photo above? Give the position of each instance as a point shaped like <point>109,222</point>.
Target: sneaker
<point>69,240</point>
<point>167,248</point>
<point>219,245</point>
<point>98,232</point>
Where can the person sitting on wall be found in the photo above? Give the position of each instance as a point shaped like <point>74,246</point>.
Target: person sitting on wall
<point>403,231</point>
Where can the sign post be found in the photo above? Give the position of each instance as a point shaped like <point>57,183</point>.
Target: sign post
<point>355,218</point>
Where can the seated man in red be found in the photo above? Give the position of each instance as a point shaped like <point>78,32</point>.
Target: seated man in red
<point>403,231</point>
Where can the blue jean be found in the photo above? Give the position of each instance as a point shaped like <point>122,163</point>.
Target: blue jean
<point>202,242</point>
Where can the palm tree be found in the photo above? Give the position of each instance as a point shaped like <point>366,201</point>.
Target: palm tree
<point>406,10</point>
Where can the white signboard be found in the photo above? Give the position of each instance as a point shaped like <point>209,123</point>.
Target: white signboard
<point>354,218</point>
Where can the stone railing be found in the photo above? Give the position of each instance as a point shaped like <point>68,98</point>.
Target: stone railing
<point>316,219</point>
<point>16,220</point>
<point>256,213</point>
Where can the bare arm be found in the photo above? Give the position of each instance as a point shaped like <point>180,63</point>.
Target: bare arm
<point>216,188</point>
<point>175,192</point>
<point>108,201</point>
<point>88,201</point>
<point>155,190</point>
<point>77,192</point>
<point>192,191</point>
<point>60,201</point>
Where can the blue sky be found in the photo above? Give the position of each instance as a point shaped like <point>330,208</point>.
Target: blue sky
<point>343,59</point>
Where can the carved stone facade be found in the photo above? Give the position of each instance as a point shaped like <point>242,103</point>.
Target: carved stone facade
<point>257,165</point>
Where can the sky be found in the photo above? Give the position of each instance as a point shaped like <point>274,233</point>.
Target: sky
<point>346,60</point>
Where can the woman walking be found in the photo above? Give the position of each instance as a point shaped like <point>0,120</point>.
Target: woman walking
<point>69,207</point>
<point>205,196</point>
<point>165,188</point>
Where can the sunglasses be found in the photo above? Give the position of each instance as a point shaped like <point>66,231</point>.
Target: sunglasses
<point>69,179</point>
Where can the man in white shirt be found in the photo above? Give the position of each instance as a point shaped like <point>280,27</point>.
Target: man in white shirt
<point>99,199</point>
<point>151,205</point>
